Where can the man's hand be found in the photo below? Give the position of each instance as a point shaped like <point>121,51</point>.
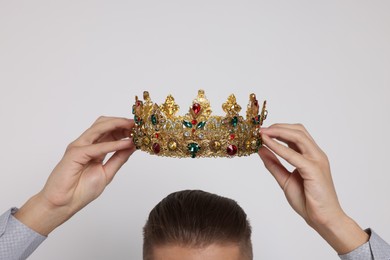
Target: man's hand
<point>80,177</point>
<point>309,188</point>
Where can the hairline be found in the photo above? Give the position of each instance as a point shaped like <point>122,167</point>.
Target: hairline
<point>242,246</point>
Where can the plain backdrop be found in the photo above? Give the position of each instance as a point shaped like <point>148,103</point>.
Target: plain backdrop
<point>325,64</point>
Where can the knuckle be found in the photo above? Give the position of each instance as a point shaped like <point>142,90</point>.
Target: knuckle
<point>324,156</point>
<point>324,159</point>
<point>70,146</point>
<point>299,136</point>
<point>72,149</point>
<point>300,126</point>
<point>100,118</point>
<point>320,163</point>
<point>275,125</point>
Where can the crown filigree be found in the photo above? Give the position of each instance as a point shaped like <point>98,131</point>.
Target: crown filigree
<point>197,134</point>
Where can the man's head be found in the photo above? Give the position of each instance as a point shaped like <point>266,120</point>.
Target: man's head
<point>194,224</point>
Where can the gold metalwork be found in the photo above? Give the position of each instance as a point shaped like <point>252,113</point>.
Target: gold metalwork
<point>170,107</point>
<point>231,107</point>
<point>197,133</point>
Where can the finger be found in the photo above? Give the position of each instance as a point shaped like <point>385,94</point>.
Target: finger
<point>294,127</point>
<point>114,135</point>
<point>84,154</point>
<point>273,165</point>
<point>295,139</point>
<point>291,156</point>
<point>99,129</point>
<point>116,161</point>
<point>104,118</point>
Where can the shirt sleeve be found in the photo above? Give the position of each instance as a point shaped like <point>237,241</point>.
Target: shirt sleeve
<point>17,241</point>
<point>375,249</point>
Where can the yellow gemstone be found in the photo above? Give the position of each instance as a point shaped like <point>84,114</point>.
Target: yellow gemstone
<point>247,144</point>
<point>254,145</point>
<point>172,145</point>
<point>215,145</point>
<point>146,140</point>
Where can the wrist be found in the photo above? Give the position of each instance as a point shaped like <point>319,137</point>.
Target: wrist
<point>342,233</point>
<point>41,216</point>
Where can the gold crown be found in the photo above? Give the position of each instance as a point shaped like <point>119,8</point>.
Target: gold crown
<point>197,134</point>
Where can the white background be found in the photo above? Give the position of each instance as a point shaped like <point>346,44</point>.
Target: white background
<point>325,64</point>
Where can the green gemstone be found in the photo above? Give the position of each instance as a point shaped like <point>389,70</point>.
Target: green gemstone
<point>201,124</point>
<point>137,120</point>
<point>187,124</point>
<point>234,121</point>
<point>153,118</point>
<point>133,109</point>
<point>193,148</point>
<point>256,120</point>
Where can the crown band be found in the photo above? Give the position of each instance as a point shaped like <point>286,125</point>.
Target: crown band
<point>197,134</point>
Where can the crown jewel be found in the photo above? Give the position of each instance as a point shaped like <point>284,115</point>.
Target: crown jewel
<point>197,134</point>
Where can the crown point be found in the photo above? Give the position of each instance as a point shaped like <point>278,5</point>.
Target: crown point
<point>230,106</point>
<point>170,107</point>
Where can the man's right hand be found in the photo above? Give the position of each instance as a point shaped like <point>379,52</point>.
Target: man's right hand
<point>80,177</point>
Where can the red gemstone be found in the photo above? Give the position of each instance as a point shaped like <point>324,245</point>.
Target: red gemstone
<point>139,103</point>
<point>156,148</point>
<point>232,136</point>
<point>193,130</point>
<point>231,150</point>
<point>156,135</point>
<point>194,122</point>
<point>196,108</point>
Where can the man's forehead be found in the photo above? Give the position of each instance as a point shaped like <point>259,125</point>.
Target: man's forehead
<point>211,252</point>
